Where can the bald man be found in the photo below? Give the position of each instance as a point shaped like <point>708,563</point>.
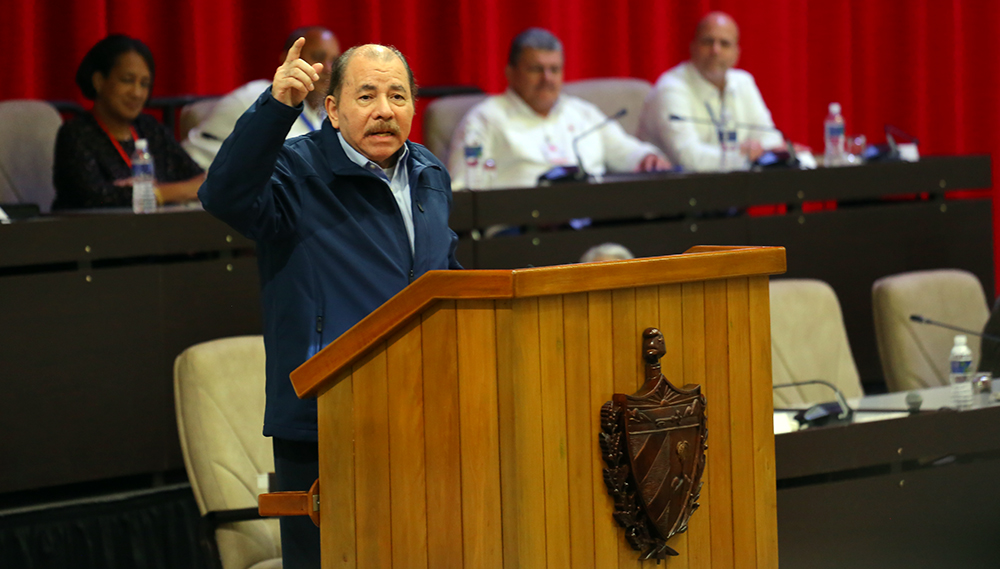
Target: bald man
<point>204,140</point>
<point>707,80</point>
<point>343,217</point>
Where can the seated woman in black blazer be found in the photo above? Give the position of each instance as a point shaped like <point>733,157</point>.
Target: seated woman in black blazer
<point>93,166</point>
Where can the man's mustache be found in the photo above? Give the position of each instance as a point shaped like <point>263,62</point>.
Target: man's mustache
<point>381,127</point>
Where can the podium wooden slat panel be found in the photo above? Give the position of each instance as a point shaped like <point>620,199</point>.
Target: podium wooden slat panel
<point>718,470</point>
<point>335,415</point>
<point>672,367</point>
<point>443,435</point>
<point>601,383</point>
<point>552,354</point>
<point>740,425</point>
<point>579,431</point>
<point>693,298</point>
<point>763,424</point>
<point>623,341</point>
<point>695,326</point>
<point>522,470</point>
<point>371,463</point>
<point>482,538</point>
<point>407,471</point>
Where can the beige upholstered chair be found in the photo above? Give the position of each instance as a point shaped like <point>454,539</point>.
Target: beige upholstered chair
<point>219,394</point>
<point>441,118</point>
<point>611,94</point>
<point>193,113</point>
<point>27,151</point>
<point>915,355</point>
<point>809,341</point>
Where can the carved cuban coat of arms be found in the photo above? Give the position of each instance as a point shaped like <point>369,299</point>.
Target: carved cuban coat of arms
<point>654,444</point>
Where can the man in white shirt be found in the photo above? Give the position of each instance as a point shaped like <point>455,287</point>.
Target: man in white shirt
<point>530,128</point>
<point>707,81</point>
<point>203,141</point>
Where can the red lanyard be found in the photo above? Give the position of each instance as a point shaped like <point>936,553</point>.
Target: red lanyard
<point>118,146</point>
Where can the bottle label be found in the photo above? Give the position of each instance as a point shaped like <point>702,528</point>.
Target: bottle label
<point>834,129</point>
<point>961,366</point>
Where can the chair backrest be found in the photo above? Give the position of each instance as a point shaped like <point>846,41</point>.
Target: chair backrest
<point>914,355</point>
<point>612,94</point>
<point>441,118</point>
<point>193,113</point>
<point>219,396</point>
<point>809,341</point>
<point>27,152</point>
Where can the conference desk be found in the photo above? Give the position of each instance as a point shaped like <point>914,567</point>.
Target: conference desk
<point>95,306</point>
<point>892,489</point>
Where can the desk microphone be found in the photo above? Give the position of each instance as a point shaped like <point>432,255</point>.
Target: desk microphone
<point>577,173</point>
<point>920,319</point>
<point>793,160</point>
<point>832,413</point>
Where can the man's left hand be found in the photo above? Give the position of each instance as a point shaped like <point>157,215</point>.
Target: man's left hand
<point>653,163</point>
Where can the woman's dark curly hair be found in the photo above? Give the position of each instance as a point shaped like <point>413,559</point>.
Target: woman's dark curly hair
<point>102,58</point>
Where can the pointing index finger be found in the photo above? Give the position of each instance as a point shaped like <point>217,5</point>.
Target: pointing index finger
<point>295,50</point>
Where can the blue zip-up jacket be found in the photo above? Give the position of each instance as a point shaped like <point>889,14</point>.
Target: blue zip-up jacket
<point>331,244</point>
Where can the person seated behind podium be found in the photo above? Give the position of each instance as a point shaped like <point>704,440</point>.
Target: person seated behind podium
<point>204,140</point>
<point>93,162</point>
<point>529,129</point>
<point>708,79</point>
<point>607,252</point>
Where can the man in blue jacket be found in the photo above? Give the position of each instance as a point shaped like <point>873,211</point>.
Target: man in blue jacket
<point>344,218</point>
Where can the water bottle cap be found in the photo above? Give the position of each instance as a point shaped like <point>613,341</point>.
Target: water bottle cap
<point>141,144</point>
<point>834,108</point>
<point>961,340</point>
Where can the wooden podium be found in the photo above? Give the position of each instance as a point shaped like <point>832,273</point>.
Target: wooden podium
<point>458,423</point>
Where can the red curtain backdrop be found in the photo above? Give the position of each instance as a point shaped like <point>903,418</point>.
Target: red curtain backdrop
<point>930,67</point>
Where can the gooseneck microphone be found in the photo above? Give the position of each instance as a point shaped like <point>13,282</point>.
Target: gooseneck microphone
<point>560,174</point>
<point>582,173</point>
<point>821,411</point>
<point>921,320</point>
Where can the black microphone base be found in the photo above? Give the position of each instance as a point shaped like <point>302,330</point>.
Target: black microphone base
<point>563,175</point>
<point>824,415</point>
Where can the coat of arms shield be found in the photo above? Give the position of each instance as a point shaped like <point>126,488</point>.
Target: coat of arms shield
<point>654,443</point>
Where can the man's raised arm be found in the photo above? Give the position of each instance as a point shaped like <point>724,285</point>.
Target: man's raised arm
<point>240,188</point>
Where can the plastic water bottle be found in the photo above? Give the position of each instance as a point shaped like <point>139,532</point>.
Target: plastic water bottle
<point>731,157</point>
<point>473,165</point>
<point>960,377</point>
<point>833,137</point>
<point>143,178</point>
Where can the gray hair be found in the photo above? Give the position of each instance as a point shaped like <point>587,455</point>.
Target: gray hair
<point>532,38</point>
<point>607,252</point>
<point>367,50</point>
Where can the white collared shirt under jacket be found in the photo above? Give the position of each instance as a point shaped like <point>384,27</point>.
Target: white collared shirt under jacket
<point>682,91</point>
<point>525,145</point>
